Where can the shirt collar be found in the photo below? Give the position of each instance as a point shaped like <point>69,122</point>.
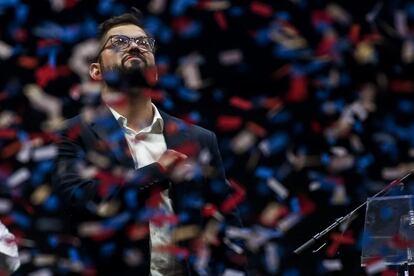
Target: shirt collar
<point>157,125</point>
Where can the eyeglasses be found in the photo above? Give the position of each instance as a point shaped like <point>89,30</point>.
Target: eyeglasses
<point>122,42</point>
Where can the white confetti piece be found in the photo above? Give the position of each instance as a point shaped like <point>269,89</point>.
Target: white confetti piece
<point>278,188</point>
<point>18,177</point>
<point>230,57</point>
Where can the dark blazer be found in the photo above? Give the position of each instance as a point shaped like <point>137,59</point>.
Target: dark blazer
<point>100,143</point>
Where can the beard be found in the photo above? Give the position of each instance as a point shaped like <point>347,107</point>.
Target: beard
<point>130,78</point>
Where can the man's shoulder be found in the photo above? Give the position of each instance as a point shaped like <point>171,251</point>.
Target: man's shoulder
<point>185,126</point>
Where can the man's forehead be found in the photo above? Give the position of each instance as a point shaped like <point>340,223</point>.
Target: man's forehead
<point>127,29</point>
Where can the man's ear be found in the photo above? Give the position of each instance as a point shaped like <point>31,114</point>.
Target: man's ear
<point>95,71</point>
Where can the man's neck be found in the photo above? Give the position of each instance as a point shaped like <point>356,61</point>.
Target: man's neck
<point>135,107</point>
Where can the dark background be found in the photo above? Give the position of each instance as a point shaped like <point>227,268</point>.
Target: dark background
<point>306,68</point>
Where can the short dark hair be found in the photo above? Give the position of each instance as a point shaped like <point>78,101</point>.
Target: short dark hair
<point>133,17</point>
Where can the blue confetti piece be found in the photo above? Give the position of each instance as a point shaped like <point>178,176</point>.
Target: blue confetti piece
<point>23,136</point>
<point>107,249</point>
<point>283,15</point>
<point>53,241</point>
<point>236,11</point>
<point>263,172</point>
<point>105,7</point>
<point>22,11</point>
<point>294,205</point>
<point>409,10</point>
<point>188,95</point>
<point>168,104</point>
<point>89,28</point>
<point>263,189</point>
<point>117,222</point>
<point>406,106</point>
<point>183,217</point>
<point>74,254</point>
<point>8,3</point>
<point>291,272</point>
<point>262,37</point>
<point>281,117</point>
<point>169,81</point>
<point>325,158</point>
<point>21,219</point>
<point>153,25</point>
<point>178,7</point>
<point>276,143</point>
<point>193,201</point>
<point>131,198</point>
<point>218,95</point>
<point>51,203</point>
<point>71,34</point>
<point>217,187</point>
<point>52,57</point>
<point>195,116</point>
<point>165,35</point>
<point>364,162</point>
<point>386,213</point>
<point>192,30</point>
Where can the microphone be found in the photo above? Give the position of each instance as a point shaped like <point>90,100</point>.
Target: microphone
<point>340,220</point>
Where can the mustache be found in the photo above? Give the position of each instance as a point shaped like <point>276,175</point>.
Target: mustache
<point>134,53</point>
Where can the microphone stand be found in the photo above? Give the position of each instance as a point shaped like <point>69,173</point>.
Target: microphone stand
<point>340,220</point>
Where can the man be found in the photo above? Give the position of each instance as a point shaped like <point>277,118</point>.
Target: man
<point>141,186</point>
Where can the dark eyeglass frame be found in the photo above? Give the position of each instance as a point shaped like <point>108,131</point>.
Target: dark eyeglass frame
<point>138,40</point>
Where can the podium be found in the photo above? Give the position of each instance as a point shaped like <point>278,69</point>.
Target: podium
<point>389,232</point>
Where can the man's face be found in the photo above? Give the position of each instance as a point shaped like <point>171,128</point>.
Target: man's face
<point>132,57</point>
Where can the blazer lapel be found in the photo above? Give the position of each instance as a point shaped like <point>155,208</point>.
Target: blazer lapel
<point>109,130</point>
<point>174,131</point>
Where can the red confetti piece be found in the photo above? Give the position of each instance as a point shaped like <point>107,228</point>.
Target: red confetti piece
<point>337,240</point>
<point>319,16</point>
<point>45,74</point>
<point>235,199</point>
<point>42,43</point>
<point>189,149</point>
<point>160,219</point>
<point>326,46</point>
<point>108,180</point>
<point>399,242</point>
<point>8,133</point>
<point>20,35</point>
<point>354,33</point>
<point>180,24</point>
<point>70,3</point>
<point>137,232</point>
<point>229,123</point>
<point>298,91</point>
<point>282,71</point>
<point>402,86</point>
<point>155,95</point>
<point>151,75</point>
<point>209,210</point>
<point>306,205</point>
<point>74,132</point>
<point>272,103</point>
<point>154,199</point>
<point>241,103</point>
<point>27,62</point>
<point>103,235</point>
<point>261,9</point>
<point>221,20</point>
<point>256,129</point>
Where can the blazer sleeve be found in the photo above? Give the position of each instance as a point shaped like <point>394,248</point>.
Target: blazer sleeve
<point>78,189</point>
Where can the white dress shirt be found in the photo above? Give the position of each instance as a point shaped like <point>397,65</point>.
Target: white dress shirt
<point>146,147</point>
